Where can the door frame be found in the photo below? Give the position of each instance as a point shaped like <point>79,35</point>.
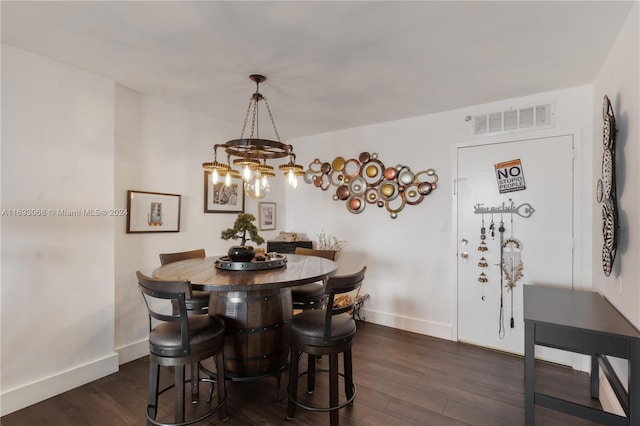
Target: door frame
<point>581,214</point>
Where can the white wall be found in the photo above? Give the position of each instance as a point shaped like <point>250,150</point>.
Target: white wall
<point>74,140</point>
<point>619,79</point>
<point>57,272</point>
<point>160,147</point>
<point>411,260</point>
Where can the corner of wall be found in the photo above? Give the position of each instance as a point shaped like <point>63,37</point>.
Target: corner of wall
<point>132,351</point>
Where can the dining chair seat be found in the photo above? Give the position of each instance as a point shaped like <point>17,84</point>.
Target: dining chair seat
<point>309,329</point>
<point>166,339</point>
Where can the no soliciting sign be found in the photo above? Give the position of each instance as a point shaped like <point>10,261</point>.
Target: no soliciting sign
<point>510,176</point>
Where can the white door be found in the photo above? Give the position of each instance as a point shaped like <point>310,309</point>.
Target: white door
<point>545,238</point>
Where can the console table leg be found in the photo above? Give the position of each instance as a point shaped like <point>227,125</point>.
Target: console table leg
<point>595,377</point>
<point>529,374</point>
<point>634,383</point>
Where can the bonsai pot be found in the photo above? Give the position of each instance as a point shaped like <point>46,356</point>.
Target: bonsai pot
<point>241,253</point>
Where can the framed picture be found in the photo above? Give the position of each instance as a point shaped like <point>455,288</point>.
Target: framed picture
<point>152,212</point>
<point>266,216</point>
<point>220,198</point>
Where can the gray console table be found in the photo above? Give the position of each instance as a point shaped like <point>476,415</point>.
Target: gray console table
<point>582,322</point>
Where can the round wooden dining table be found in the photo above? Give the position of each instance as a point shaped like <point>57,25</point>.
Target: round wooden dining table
<point>255,305</point>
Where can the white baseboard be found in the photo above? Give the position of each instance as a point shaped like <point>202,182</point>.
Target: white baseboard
<point>608,398</point>
<point>414,325</point>
<point>133,351</point>
<point>18,398</point>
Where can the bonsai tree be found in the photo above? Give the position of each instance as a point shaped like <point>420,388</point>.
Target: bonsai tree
<point>242,225</point>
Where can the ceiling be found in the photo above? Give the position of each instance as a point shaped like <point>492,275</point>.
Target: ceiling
<point>330,65</point>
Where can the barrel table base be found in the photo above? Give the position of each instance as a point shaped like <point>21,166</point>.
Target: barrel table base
<point>258,330</point>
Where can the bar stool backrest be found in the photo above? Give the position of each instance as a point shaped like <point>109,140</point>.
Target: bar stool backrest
<point>327,254</point>
<point>174,257</point>
<point>176,291</point>
<point>339,285</point>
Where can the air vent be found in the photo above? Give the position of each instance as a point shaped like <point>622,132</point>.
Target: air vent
<point>521,118</point>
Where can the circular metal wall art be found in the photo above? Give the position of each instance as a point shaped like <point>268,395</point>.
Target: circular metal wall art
<point>365,156</point>
<point>355,204</point>
<point>371,195</point>
<point>322,181</point>
<point>343,192</point>
<point>338,164</point>
<point>390,173</point>
<point>405,176</point>
<point>357,186</point>
<point>394,207</point>
<point>351,168</point>
<point>425,188</point>
<point>309,177</point>
<point>335,177</point>
<point>372,172</point>
<point>366,180</point>
<point>388,190</point>
<point>411,195</point>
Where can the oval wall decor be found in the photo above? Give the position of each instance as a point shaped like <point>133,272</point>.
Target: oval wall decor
<point>606,188</point>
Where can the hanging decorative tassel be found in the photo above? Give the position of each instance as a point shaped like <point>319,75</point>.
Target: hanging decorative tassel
<point>492,228</point>
<point>501,330</point>
<point>511,264</point>
<point>482,279</point>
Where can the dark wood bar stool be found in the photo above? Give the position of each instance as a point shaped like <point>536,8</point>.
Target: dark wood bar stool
<point>177,340</point>
<point>328,331</point>
<point>199,302</point>
<point>310,296</point>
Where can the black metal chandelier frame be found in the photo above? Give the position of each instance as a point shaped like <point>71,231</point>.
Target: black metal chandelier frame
<point>253,152</point>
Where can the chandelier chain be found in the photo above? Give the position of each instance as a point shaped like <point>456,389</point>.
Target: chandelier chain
<point>254,117</point>
<point>246,118</point>
<point>275,129</point>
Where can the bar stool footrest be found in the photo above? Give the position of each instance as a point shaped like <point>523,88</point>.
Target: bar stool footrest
<point>195,420</point>
<point>322,409</point>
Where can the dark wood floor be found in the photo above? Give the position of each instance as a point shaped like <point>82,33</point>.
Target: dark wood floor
<point>402,379</point>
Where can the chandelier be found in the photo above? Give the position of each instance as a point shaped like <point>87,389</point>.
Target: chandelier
<point>247,157</point>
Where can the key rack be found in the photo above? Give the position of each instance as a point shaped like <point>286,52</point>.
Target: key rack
<point>527,209</point>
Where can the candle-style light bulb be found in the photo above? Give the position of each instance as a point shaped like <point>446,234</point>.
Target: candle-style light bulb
<point>227,179</point>
<point>246,173</point>
<point>292,179</point>
<point>214,176</point>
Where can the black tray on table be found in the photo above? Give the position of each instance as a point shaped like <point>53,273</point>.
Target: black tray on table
<point>227,264</point>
